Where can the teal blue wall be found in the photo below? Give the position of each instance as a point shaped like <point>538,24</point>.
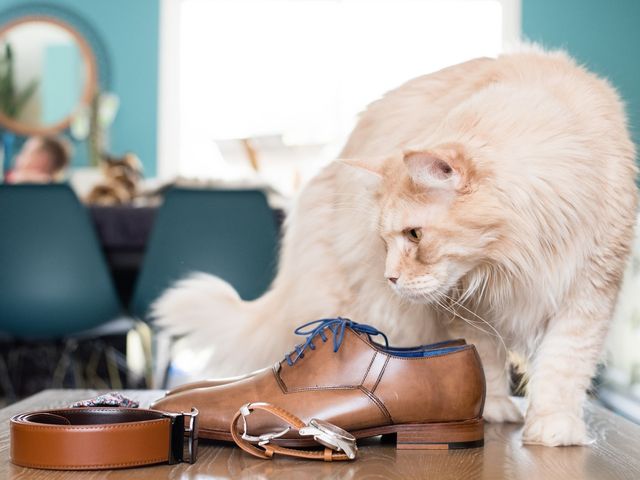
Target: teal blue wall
<point>61,83</point>
<point>602,34</point>
<point>129,30</point>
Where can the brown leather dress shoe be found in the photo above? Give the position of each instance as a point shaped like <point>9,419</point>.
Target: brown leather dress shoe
<point>215,382</point>
<point>429,398</point>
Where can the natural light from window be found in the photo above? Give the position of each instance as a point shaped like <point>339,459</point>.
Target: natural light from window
<point>293,75</point>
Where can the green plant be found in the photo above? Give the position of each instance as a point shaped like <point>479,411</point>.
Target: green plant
<point>12,101</point>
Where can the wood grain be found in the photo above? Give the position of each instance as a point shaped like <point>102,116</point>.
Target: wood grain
<point>614,455</point>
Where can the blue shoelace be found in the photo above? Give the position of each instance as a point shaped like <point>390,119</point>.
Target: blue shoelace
<point>337,327</point>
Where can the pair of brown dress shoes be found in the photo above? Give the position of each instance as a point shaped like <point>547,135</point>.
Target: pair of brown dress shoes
<point>430,397</point>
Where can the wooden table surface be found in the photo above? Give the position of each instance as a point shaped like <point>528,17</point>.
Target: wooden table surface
<point>615,454</point>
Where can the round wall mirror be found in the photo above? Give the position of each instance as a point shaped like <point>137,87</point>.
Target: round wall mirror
<point>47,72</point>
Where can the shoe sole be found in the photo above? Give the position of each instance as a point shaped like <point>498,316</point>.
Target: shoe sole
<point>423,436</point>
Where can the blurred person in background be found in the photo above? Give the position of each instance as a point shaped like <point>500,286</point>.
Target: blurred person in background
<point>42,159</point>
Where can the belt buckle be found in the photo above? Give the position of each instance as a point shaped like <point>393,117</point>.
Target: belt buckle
<point>179,450</point>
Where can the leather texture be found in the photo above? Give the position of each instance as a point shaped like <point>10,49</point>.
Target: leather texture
<point>215,382</point>
<point>90,438</point>
<point>361,388</point>
<point>269,449</point>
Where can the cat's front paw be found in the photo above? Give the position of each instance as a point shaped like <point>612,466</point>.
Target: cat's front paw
<point>498,409</point>
<point>555,429</point>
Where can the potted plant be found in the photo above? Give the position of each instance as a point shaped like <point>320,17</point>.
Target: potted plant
<point>12,100</point>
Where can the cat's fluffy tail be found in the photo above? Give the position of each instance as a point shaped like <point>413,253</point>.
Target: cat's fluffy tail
<point>207,316</point>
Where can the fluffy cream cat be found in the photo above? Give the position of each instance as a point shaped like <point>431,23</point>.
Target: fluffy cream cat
<point>493,200</point>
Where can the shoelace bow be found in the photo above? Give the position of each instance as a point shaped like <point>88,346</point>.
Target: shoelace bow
<point>337,327</point>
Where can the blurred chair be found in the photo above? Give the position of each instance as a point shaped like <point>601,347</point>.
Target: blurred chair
<point>228,233</point>
<point>54,281</point>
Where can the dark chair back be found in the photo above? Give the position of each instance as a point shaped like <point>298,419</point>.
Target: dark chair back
<point>54,280</point>
<point>228,233</point>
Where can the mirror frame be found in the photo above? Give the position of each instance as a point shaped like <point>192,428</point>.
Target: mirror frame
<point>90,87</point>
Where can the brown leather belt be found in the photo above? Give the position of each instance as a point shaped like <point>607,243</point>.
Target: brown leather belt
<point>100,438</point>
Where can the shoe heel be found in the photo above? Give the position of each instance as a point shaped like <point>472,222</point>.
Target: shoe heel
<point>441,436</point>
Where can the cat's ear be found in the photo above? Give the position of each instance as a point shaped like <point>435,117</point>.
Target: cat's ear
<point>370,168</point>
<point>441,169</point>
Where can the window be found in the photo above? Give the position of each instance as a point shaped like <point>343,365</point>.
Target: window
<point>621,379</point>
<point>291,76</point>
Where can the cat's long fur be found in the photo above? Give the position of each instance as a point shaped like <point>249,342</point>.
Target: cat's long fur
<point>526,200</point>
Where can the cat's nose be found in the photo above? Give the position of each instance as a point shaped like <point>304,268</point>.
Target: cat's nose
<point>392,279</point>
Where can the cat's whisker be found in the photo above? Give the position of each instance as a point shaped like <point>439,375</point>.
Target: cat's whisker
<point>471,323</point>
<point>456,315</point>
<point>496,333</point>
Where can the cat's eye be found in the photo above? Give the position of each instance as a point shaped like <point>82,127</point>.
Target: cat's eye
<point>413,234</point>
